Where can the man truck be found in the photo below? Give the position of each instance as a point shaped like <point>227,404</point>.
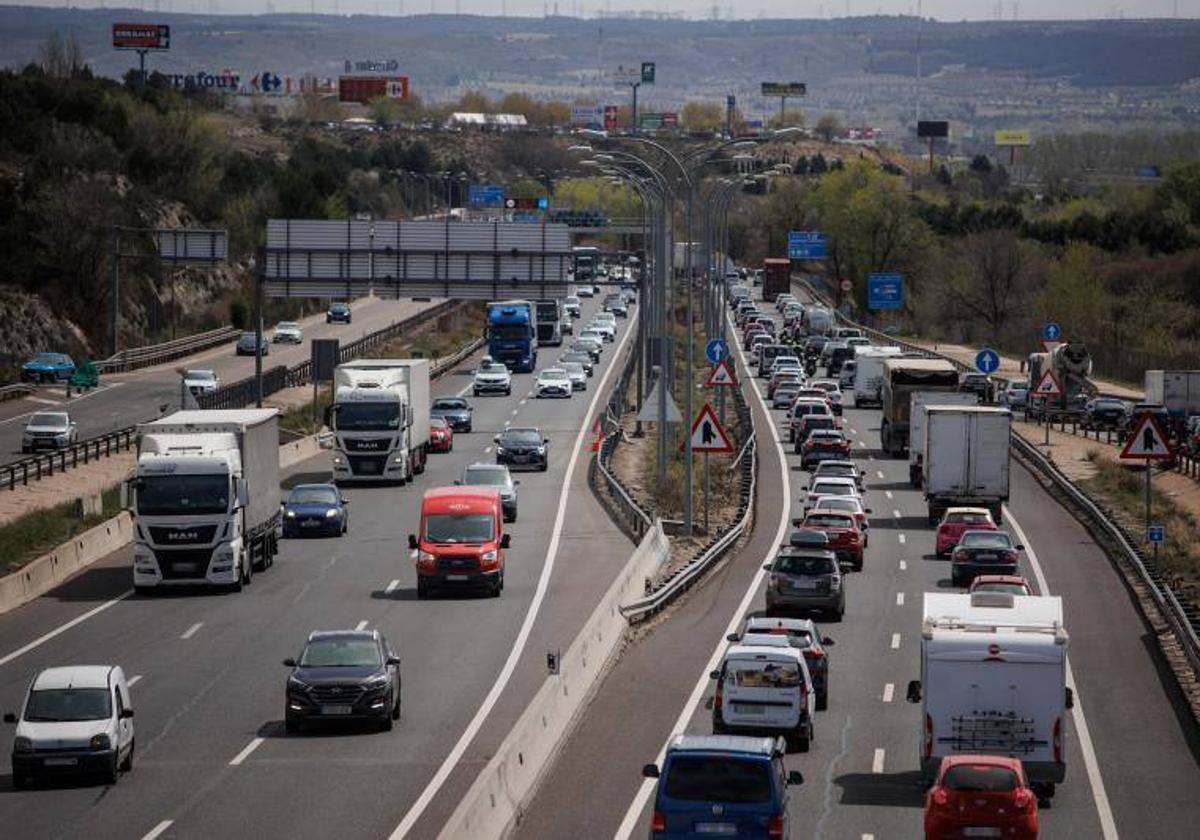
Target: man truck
<point>380,420</point>
<point>777,278</point>
<point>549,322</point>
<point>512,334</point>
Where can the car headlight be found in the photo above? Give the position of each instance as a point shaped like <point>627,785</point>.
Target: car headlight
<point>541,450</point>
<point>224,554</point>
<point>100,742</point>
<point>297,684</point>
<point>377,681</point>
<point>331,513</point>
<point>21,744</point>
<point>291,514</point>
<point>425,557</point>
<point>488,556</point>
<point>500,450</point>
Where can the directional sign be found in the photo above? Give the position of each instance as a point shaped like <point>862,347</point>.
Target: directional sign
<point>1048,386</point>
<point>885,290</point>
<point>721,375</point>
<point>1148,442</point>
<point>707,433</point>
<point>716,350</point>
<point>1051,331</point>
<point>987,360</point>
<point>807,245</point>
<point>1156,534</point>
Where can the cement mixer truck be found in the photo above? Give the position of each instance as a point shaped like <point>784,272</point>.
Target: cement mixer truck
<point>1071,365</point>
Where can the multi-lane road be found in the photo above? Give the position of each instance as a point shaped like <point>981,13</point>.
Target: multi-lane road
<point>212,757</point>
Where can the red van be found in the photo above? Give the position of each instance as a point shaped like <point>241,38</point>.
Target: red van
<point>462,540</point>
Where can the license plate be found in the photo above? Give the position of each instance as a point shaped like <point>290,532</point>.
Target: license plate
<point>184,567</point>
<point>369,468</point>
<point>748,708</point>
<point>804,584</point>
<point>456,577</point>
<point>982,831</point>
<point>309,523</point>
<point>985,557</point>
<point>716,828</point>
<point>336,710</point>
<point>60,762</point>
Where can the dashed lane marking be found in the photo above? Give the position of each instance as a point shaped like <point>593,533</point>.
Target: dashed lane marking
<point>895,641</point>
<point>877,761</point>
<point>158,829</point>
<point>899,599</point>
<point>245,753</point>
<point>191,631</point>
<point>889,690</point>
<point>391,587</point>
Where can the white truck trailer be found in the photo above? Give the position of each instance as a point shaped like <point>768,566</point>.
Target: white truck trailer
<point>1176,390</point>
<point>916,421</point>
<point>206,498</point>
<point>966,458</point>
<point>868,373</point>
<point>380,420</point>
<point>993,681</point>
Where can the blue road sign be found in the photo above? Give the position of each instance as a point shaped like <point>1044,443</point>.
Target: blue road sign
<point>485,195</point>
<point>1156,533</point>
<point>987,360</point>
<point>885,290</point>
<point>806,245</point>
<point>716,350</point>
<point>1051,331</point>
<point>543,203</point>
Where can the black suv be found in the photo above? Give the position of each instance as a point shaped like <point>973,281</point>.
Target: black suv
<point>343,675</point>
<point>455,411</point>
<point>525,448</point>
<point>339,312</point>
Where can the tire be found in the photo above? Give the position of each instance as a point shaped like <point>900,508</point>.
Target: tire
<point>396,708</point>
<point>422,591</point>
<point>385,723</point>
<point>291,726</point>
<point>836,617</point>
<point>822,701</point>
<point>248,577</point>
<point>112,774</point>
<point>19,782</point>
<point>799,743</point>
<point>508,392</point>
<point>127,764</point>
<point>545,466</point>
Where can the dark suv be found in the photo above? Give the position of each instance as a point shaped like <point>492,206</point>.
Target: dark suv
<point>805,576</point>
<point>343,675</point>
<point>525,448</point>
<point>339,312</point>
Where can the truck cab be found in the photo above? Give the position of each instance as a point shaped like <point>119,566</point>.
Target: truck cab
<point>461,543</point>
<point>512,334</point>
<point>380,420</point>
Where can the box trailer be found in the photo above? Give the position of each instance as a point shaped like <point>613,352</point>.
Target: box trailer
<point>916,423</point>
<point>966,458</point>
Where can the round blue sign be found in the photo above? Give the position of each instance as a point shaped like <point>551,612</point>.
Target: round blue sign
<point>987,360</point>
<point>716,350</point>
<point>1051,331</point>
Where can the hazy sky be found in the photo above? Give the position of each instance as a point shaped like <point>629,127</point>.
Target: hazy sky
<point>941,9</point>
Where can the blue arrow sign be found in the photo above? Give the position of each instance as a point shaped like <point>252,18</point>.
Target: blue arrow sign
<point>716,350</point>
<point>987,360</point>
<point>1051,331</point>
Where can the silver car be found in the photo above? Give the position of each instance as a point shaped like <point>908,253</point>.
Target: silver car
<point>49,430</point>
<point>492,378</point>
<point>806,577</point>
<point>577,374</point>
<point>498,476</point>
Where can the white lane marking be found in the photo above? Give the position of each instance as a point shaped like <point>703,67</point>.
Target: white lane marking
<point>896,514</point>
<point>362,625</point>
<point>1108,825</point>
<point>191,631</point>
<point>514,411</point>
<point>134,680</point>
<point>887,493</point>
<point>901,538</point>
<point>158,829</point>
<point>903,565</point>
<point>634,812</point>
<point>889,690</point>
<point>245,753</point>
<point>880,474</point>
<point>868,837</point>
<point>62,628</point>
<point>391,587</point>
<point>863,444</point>
<point>510,664</point>
<point>522,402</point>
<point>877,761</point>
<point>899,599</point>
<point>487,449</point>
<point>895,641</point>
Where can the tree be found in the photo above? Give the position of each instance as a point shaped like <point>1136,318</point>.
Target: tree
<point>474,102</point>
<point>828,127</point>
<point>702,116</point>
<point>992,278</point>
<point>981,164</point>
<point>61,58</point>
<point>789,118</point>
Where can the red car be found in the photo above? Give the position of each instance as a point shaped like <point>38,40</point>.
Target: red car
<point>441,436</point>
<point>1011,584</point>
<point>823,445</point>
<point>842,531</point>
<point>958,520</point>
<point>981,796</point>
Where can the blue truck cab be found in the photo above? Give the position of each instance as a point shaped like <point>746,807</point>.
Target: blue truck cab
<point>512,334</point>
<point>723,785</point>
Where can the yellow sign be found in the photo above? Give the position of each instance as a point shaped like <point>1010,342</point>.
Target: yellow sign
<point>1012,137</point>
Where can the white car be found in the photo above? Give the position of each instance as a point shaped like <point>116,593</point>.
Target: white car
<point>825,487</point>
<point>833,390</point>
<point>596,334</point>
<point>492,378</point>
<point>75,720</point>
<point>288,332</point>
<point>585,291</point>
<point>200,381</point>
<point>553,382</point>
<point>572,306</point>
<point>577,374</point>
<point>49,429</point>
<point>606,329</point>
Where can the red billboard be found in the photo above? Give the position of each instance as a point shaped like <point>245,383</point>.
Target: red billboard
<point>611,115</point>
<point>365,88</point>
<point>141,36</point>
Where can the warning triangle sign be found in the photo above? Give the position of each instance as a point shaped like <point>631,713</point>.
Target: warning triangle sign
<point>1048,386</point>
<point>1148,441</point>
<point>707,433</point>
<point>649,412</point>
<point>721,375</point>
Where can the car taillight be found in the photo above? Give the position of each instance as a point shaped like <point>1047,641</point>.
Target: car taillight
<point>658,823</point>
<point>1058,740</point>
<point>775,827</point>
<point>927,749</point>
<point>1024,800</point>
<point>940,798</point>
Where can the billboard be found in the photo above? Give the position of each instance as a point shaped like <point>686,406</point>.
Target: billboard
<point>627,75</point>
<point>363,89</point>
<point>933,128</point>
<point>141,36</point>
<point>784,89</point>
<point>383,65</point>
<point>1012,137</point>
<point>587,115</point>
<point>611,117</point>
<point>647,72</point>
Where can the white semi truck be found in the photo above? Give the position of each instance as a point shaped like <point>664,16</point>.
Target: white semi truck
<point>966,458</point>
<point>994,681</point>
<point>868,373</point>
<point>380,420</point>
<point>206,498</point>
<point>916,422</point>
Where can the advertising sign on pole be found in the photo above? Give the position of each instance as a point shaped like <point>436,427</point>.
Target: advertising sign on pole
<point>141,36</point>
<point>1012,137</point>
<point>933,129</point>
<point>647,72</point>
<point>588,116</point>
<point>788,89</point>
<point>885,290</point>
<point>806,245</point>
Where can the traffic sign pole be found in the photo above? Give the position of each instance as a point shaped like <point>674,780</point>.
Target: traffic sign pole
<point>706,493</point>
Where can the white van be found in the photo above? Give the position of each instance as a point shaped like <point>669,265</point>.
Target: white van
<point>766,690</point>
<point>75,720</point>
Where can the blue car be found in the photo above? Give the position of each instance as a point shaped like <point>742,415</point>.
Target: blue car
<point>317,510</point>
<point>48,367</point>
<point>721,785</point>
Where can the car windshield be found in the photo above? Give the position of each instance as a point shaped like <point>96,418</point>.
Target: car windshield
<point>800,564</point>
<point>1110,404</point>
<point>59,705</point>
<point>980,778</point>
<point>249,338</point>
<point>818,421</point>
<point>521,437</point>
<point>339,308</point>
<point>459,527</point>
<point>49,419</point>
<point>287,325</point>
<point>839,470</point>
<point>313,495</point>
<point>50,358</point>
<point>769,675</point>
<point>969,518</point>
<point>574,368</point>
<point>718,779</point>
<point>828,520</point>
<point>572,300</point>
<point>449,404</point>
<point>368,417</point>
<point>822,488</point>
<point>489,476</point>
<point>554,373</point>
<point>1008,588</point>
<point>341,653</point>
<point>827,436</point>
<point>580,358</point>
<point>159,495</point>
<point>201,375</point>
<point>493,368</point>
<point>848,503</point>
<point>986,539</point>
<point>438,423</point>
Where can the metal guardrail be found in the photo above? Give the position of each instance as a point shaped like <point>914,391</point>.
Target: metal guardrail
<point>15,392</point>
<point>140,357</point>
<point>632,519</point>
<point>83,452</point>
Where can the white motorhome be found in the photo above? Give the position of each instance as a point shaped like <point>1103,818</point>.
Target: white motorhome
<point>916,421</point>
<point>868,373</point>
<point>993,681</point>
<point>966,458</point>
<point>380,419</point>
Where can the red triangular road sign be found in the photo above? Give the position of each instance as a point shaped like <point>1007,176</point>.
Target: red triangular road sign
<point>1148,442</point>
<point>599,432</point>
<point>721,375</point>
<point>1048,386</point>
<point>707,433</point>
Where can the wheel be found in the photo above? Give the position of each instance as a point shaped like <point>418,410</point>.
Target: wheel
<point>545,466</point>
<point>822,701</point>
<point>495,590</point>
<point>799,743</point>
<point>955,580</point>
<point>836,617</point>
<point>422,590</point>
<point>385,723</point>
<point>396,708</point>
<point>19,782</point>
<point>248,573</point>
<point>112,774</point>
<point>127,764</point>
<point>291,726</point>
<point>508,392</point>
<point>475,392</point>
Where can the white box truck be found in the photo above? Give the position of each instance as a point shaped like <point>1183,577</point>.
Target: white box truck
<point>206,498</point>
<point>993,681</point>
<point>916,422</point>
<point>1176,390</point>
<point>966,458</point>
<point>868,373</point>
<point>380,420</point>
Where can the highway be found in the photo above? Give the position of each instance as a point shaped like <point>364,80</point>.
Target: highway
<point>1139,752</point>
<point>212,756</point>
<point>124,399</point>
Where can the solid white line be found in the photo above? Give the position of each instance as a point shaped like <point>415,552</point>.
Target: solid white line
<point>158,829</point>
<point>362,625</point>
<point>191,631</point>
<point>877,761</point>
<point>901,538</point>
<point>634,812</point>
<point>889,690</point>
<point>391,587</point>
<point>887,493</point>
<point>1108,825</point>
<point>133,680</point>
<point>899,599</point>
<point>493,696</point>
<point>249,748</point>
<point>62,628</point>
<point>895,641</point>
<point>903,565</point>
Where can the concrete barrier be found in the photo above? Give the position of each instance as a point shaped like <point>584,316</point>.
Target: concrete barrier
<point>293,453</point>
<point>495,801</point>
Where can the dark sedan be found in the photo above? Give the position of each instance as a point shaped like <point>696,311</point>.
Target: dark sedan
<point>343,675</point>
<point>339,312</point>
<point>1105,413</point>
<point>589,366</point>
<point>456,411</point>
<point>315,510</point>
<point>983,553</point>
<point>525,448</point>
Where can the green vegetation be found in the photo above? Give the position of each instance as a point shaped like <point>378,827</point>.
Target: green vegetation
<point>36,533</point>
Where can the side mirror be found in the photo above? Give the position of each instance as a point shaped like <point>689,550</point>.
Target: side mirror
<point>714,675</point>
<point>868,510</point>
<point>516,483</point>
<point>345,501</point>
<point>495,438</point>
<point>328,416</point>
<point>650,771</point>
<point>914,691</point>
<point>545,441</point>
<point>412,541</point>
<point>827,642</point>
<point>795,777</point>
<point>1070,702</point>
<point>10,717</point>
<point>733,637</point>
<point>1020,548</point>
<point>127,713</point>
<point>393,660</point>
<point>505,541</point>
<point>458,481</point>
<point>766,567</point>
<point>291,663</point>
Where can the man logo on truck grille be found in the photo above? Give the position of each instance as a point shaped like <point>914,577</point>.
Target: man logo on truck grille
<point>182,536</point>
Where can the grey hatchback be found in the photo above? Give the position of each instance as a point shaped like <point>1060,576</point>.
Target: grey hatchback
<point>805,576</point>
